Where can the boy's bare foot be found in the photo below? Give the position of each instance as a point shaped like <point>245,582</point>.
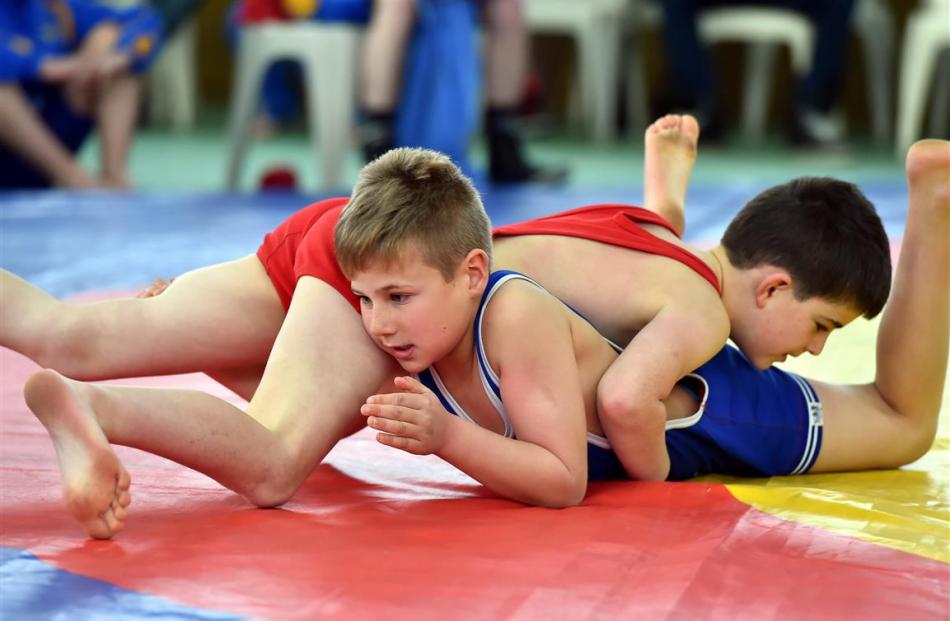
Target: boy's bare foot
<point>95,485</point>
<point>669,156</point>
<point>928,165</point>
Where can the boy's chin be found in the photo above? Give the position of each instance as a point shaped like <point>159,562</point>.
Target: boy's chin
<point>413,367</point>
<point>759,360</point>
<point>764,362</point>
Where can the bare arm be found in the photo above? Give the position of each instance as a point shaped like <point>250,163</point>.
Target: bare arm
<point>531,347</point>
<point>631,394</point>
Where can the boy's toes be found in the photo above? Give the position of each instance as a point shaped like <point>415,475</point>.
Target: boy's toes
<point>97,528</point>
<point>112,522</point>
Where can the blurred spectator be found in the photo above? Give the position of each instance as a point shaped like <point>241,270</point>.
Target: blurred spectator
<point>174,13</point>
<point>420,76</point>
<point>281,97</point>
<point>67,66</point>
<point>411,54</point>
<point>694,83</point>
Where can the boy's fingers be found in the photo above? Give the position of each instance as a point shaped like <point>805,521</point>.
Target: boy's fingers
<point>402,399</point>
<point>380,410</point>
<point>411,384</point>
<point>406,444</point>
<point>395,427</point>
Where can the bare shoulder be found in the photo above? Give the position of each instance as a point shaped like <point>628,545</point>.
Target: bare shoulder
<point>520,303</point>
<point>698,307</point>
<point>522,316</point>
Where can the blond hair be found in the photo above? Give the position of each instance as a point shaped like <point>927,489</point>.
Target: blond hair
<point>411,196</point>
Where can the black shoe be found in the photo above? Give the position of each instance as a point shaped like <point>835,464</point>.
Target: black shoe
<point>376,134</point>
<point>506,163</point>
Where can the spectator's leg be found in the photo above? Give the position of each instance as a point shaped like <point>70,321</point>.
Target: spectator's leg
<point>116,113</point>
<point>817,91</point>
<point>688,62</point>
<point>26,135</point>
<point>384,50</point>
<point>506,63</point>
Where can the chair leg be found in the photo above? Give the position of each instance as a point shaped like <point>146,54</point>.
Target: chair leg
<point>940,106</point>
<point>760,60</point>
<point>877,43</point>
<point>917,65</point>
<point>248,77</point>
<point>636,91</point>
<point>331,118</point>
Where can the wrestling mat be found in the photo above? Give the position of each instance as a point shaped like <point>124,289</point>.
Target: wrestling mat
<point>378,534</point>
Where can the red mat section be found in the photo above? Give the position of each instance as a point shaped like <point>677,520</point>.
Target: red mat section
<point>375,533</point>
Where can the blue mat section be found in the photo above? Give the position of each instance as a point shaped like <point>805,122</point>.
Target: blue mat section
<point>68,242</point>
<point>31,590</point>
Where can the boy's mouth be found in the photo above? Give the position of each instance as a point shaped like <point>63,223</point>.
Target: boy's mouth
<point>401,352</point>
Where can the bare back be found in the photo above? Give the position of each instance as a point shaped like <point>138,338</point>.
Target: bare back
<point>618,289</point>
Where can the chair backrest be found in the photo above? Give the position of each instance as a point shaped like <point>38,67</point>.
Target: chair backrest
<point>761,25</point>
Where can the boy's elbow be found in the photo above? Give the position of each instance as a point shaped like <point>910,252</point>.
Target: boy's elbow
<point>615,406</point>
<point>918,445</point>
<point>621,411</point>
<point>568,492</point>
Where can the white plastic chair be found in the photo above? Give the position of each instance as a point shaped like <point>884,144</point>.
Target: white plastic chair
<point>926,37</point>
<point>172,81</point>
<point>596,27</point>
<point>328,54</point>
<point>765,28</point>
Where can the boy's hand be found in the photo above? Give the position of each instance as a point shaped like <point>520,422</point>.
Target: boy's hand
<point>412,420</point>
<point>157,287</point>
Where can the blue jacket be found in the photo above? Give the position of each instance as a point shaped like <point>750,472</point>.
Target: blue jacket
<point>34,30</point>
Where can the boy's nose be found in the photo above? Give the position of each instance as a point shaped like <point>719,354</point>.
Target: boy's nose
<point>380,324</point>
<point>817,344</point>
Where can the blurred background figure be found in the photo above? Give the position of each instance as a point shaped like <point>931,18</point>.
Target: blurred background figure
<point>175,13</point>
<point>420,77</point>
<point>66,67</point>
<point>694,84</point>
<point>413,48</point>
<point>281,96</point>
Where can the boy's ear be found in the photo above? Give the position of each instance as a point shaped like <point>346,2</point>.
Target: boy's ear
<point>773,281</point>
<point>476,270</point>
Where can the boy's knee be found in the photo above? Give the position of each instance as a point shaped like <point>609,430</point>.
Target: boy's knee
<point>269,495</point>
<point>277,482</point>
<point>69,347</point>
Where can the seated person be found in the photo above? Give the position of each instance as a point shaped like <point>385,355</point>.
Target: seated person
<point>67,66</point>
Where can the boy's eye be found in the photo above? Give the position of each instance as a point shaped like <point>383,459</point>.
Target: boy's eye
<point>399,298</point>
<point>364,301</point>
<point>821,328</point>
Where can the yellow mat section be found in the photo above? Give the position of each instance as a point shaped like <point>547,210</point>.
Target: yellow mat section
<point>906,509</point>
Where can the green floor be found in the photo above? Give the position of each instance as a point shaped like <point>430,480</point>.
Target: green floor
<point>195,160</point>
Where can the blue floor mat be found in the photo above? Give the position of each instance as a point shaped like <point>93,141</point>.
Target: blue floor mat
<point>68,242</point>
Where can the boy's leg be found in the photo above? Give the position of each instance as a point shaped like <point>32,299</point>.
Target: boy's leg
<point>220,317</point>
<point>893,421</point>
<point>322,368</point>
<point>669,146</point>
